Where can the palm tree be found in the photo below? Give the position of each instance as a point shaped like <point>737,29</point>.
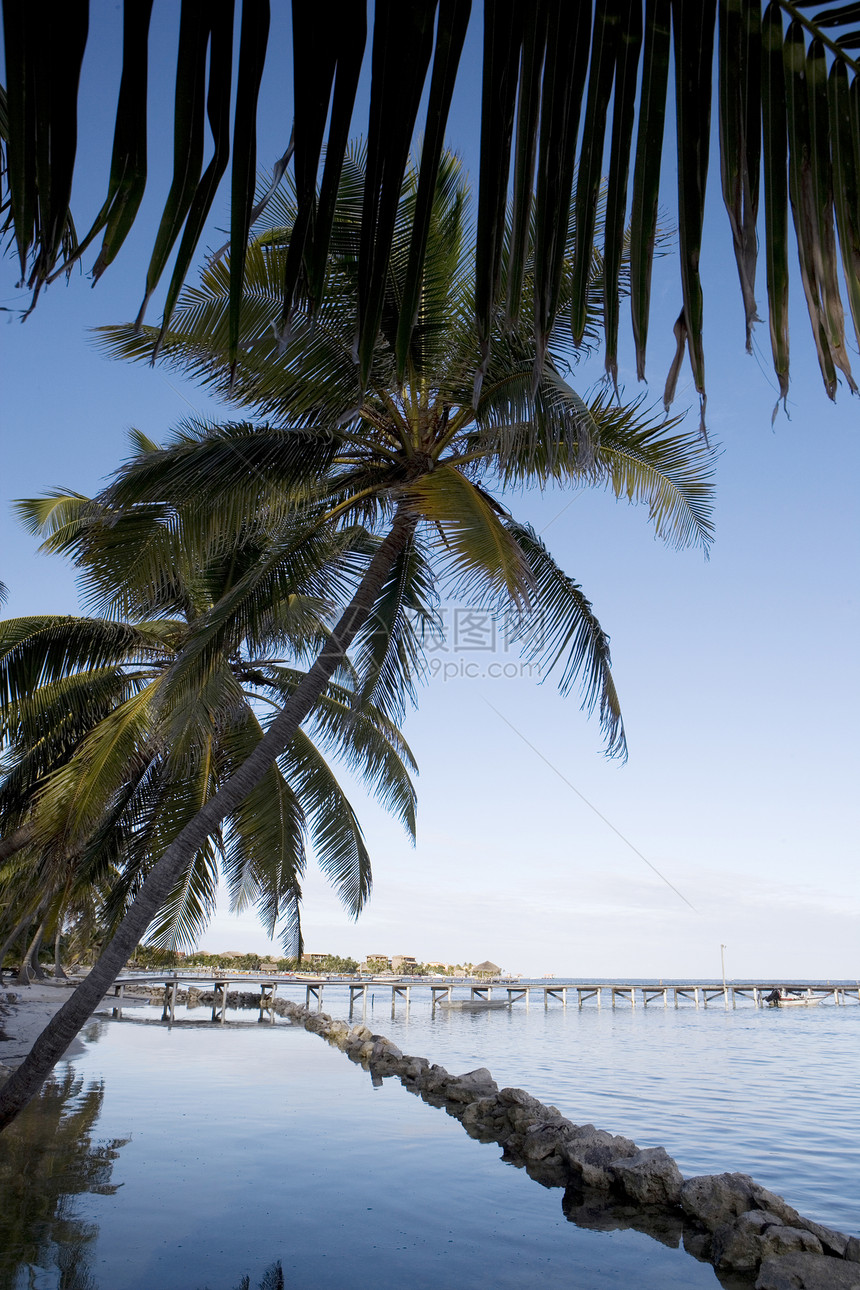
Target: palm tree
<point>788,95</point>
<point>109,754</point>
<point>417,460</point>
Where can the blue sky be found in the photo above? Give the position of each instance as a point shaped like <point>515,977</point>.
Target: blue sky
<point>737,675</point>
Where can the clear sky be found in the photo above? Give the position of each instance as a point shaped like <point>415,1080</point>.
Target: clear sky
<point>737,675</point>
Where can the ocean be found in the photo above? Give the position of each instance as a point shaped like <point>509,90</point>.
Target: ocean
<point>186,1157</point>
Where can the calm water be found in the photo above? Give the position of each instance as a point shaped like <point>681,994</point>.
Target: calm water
<point>183,1158</point>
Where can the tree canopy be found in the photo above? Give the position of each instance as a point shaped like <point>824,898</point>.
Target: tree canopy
<point>781,77</point>
<point>415,469</point>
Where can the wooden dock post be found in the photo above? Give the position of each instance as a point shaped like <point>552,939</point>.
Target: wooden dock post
<point>402,992</point>
<point>267,1000</point>
<point>353,991</point>
<point>219,1012</point>
<point>169,1010</point>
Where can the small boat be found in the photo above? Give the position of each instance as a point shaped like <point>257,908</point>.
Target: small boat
<point>473,1005</point>
<point>783,998</point>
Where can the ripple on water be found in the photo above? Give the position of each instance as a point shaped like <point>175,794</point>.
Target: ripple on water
<point>767,1092</point>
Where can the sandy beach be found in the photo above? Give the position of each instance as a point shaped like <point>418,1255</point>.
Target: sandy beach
<point>25,1010</point>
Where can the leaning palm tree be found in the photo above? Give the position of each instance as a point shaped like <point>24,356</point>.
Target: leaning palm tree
<point>786,90</point>
<point>107,758</point>
<point>420,459</point>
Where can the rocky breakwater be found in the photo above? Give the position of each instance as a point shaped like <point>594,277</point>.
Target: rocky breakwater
<point>750,1235</point>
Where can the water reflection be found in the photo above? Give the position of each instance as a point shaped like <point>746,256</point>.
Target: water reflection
<point>48,1157</point>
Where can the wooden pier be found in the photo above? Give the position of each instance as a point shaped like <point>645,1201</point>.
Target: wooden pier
<point>219,984</point>
<point>465,992</point>
<point>597,993</point>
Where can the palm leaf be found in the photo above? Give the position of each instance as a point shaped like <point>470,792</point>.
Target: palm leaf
<point>528,56</point>
<point>388,650</point>
<point>476,544</point>
<point>335,833</point>
<point>562,630</point>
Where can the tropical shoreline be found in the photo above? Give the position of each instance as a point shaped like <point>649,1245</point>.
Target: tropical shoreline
<point>25,1010</point>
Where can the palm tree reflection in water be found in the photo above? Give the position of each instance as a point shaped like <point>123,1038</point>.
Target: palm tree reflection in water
<point>47,1159</point>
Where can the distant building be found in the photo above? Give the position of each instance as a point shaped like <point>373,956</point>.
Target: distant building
<point>486,969</point>
<point>403,962</point>
<point>377,962</point>
<point>314,960</point>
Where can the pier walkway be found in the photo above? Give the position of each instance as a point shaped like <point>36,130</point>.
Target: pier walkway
<point>479,993</point>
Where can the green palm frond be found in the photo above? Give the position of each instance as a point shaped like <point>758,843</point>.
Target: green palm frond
<point>232,463</point>
<point>40,649</point>
<point>335,833</point>
<point>264,856</point>
<point>389,649</point>
<point>75,797</point>
<point>562,631</point>
<point>463,521</point>
<point>565,65</point>
<point>642,457</point>
<point>366,740</point>
<point>669,473</point>
<point>189,907</point>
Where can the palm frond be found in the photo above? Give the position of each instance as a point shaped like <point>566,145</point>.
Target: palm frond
<point>543,58</point>
<point>388,650</point>
<point>463,521</point>
<point>562,630</point>
<point>335,833</point>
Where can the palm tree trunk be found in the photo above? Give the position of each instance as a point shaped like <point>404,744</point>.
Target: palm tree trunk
<point>15,840</point>
<point>23,977</point>
<point>59,974</point>
<point>17,930</point>
<point>61,1030</point>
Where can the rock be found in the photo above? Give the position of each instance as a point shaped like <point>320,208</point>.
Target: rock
<point>517,1097</point>
<point>807,1272</point>
<point>359,1051</point>
<point>384,1050</point>
<point>764,1199</point>
<point>546,1138</point>
<point>852,1249</point>
<point>485,1119</point>
<point>412,1068</point>
<point>832,1242</point>
<point>434,1080</point>
<point>589,1152</point>
<point>717,1198</point>
<point>472,1086</point>
<point>789,1240</point>
<point>738,1245</point>
<point>362,1032</point>
<point>317,1025</point>
<point>650,1177</point>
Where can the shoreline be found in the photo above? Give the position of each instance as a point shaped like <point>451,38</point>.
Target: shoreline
<point>25,1010</point>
